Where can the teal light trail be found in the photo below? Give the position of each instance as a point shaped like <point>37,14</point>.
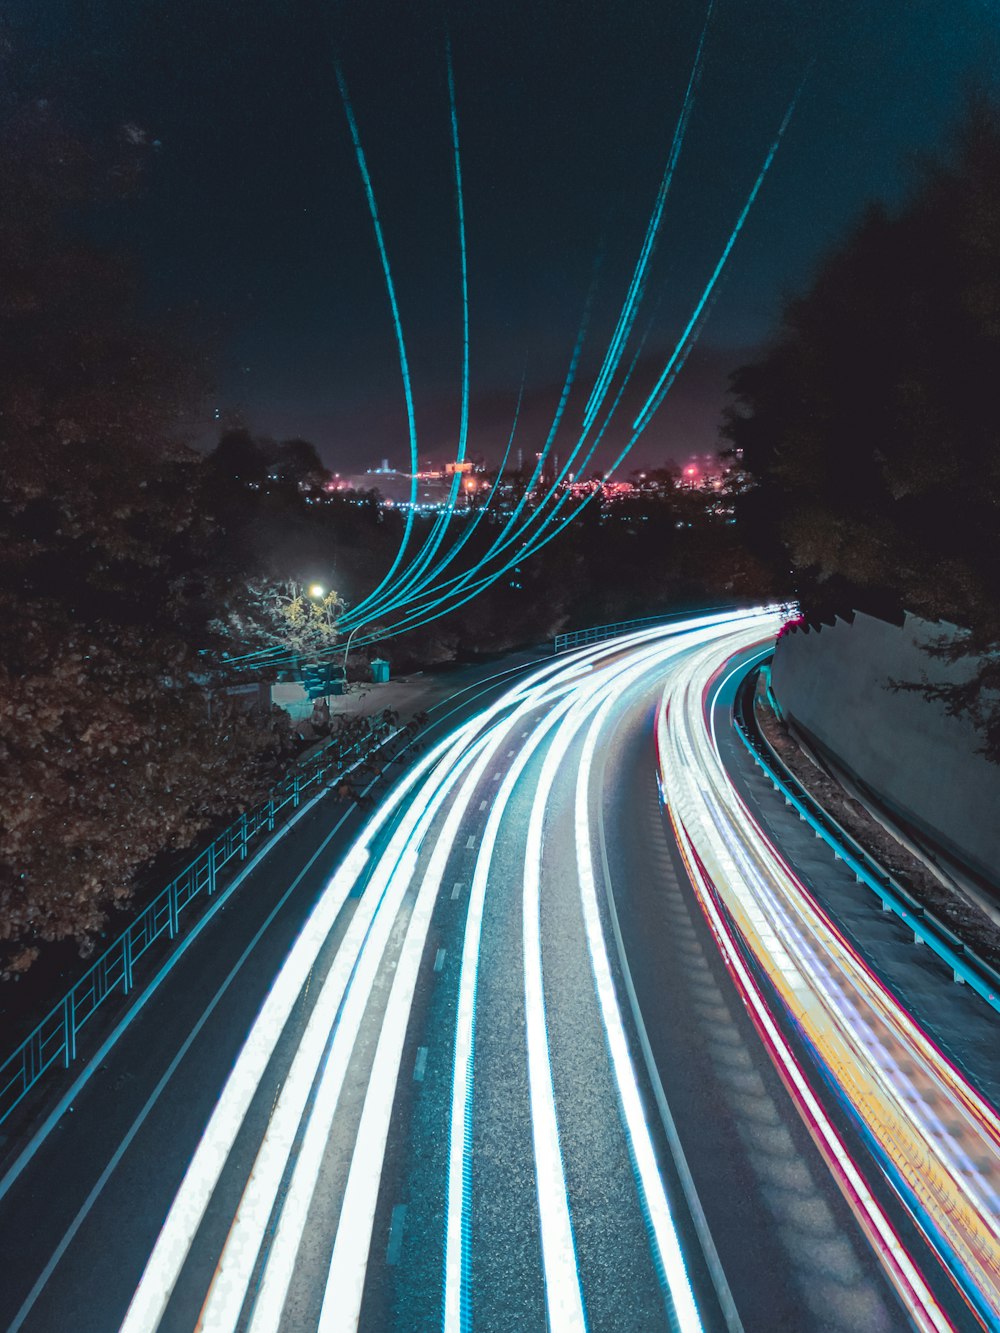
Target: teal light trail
<point>404,364</point>
<point>426,604</point>
<point>630,308</point>
<point>656,397</point>
<point>481,512</point>
<point>372,605</point>
<point>679,355</point>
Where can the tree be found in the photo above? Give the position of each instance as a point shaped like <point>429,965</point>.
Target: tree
<point>870,423</point>
<point>112,571</point>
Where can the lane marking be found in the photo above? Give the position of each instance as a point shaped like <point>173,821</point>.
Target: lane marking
<point>456,891</point>
<point>439,960</point>
<point>420,1067</point>
<point>395,1247</point>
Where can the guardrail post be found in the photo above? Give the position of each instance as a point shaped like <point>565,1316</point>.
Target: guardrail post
<point>69,1028</point>
<point>127,960</point>
<point>210,854</point>
<point>243,836</point>
<point>270,813</point>
<point>295,791</point>
<point>173,924</point>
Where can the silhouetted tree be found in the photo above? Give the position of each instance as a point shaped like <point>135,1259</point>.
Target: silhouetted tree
<point>871,422</point>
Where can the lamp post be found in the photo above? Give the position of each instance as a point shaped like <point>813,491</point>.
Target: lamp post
<point>347,650</point>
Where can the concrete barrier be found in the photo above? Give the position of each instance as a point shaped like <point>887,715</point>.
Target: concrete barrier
<point>833,684</point>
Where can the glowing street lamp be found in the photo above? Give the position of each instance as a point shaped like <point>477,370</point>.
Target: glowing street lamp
<point>316,590</point>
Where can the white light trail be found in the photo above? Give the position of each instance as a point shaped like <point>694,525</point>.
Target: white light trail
<point>353,971</point>
<point>459,1184</point>
<point>931,1126</point>
<point>345,1284</point>
<point>668,1252</point>
<point>201,1177</point>
<point>342,999</point>
<point>563,1295</point>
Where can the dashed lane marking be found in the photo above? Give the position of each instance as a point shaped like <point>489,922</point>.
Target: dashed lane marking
<point>395,1246</point>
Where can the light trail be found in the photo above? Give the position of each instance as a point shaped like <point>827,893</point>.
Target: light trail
<point>418,789</point>
<point>563,1294</point>
<point>668,1254</point>
<point>353,972</point>
<point>911,1102</point>
<point>271,1217</point>
<point>348,1266</point>
<point>630,308</point>
<point>372,606</point>
<point>662,385</point>
<point>450,601</point>
<point>201,1177</point>
<point>939,1139</point>
<point>404,365</point>
<point>411,593</point>
<point>457,1295</point>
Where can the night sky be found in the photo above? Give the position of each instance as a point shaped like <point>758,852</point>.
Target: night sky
<point>254,209</point>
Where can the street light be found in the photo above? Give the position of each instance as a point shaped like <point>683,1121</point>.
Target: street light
<point>316,590</point>
<point>347,650</point>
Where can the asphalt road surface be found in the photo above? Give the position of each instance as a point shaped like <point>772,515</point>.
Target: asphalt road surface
<point>557,1038</point>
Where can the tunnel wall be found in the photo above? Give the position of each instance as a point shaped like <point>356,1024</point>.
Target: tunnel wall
<point>833,684</point>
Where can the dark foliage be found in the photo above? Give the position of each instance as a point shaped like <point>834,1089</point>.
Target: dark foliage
<point>871,423</point>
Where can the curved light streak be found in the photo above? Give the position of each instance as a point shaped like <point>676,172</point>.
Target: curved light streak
<point>630,308</point>
<point>660,389</point>
<point>372,606</point>
<point>681,351</point>
<point>353,973</point>
<point>912,1102</point>
<point>668,1254</point>
<point>339,1007</point>
<point>201,1177</point>
<point>457,1297</point>
<point>404,365</point>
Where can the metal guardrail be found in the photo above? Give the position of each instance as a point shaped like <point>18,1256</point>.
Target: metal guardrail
<point>967,967</point>
<point>596,633</point>
<point>54,1040</point>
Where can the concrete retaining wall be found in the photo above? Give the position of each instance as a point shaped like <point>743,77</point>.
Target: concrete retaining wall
<point>833,684</point>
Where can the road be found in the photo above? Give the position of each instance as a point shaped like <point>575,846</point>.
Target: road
<point>534,1048</point>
